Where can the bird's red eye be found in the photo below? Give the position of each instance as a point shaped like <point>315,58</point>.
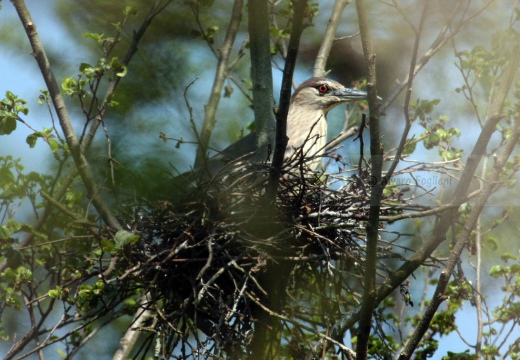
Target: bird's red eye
<point>323,88</point>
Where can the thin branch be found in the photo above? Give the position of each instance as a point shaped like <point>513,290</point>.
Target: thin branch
<point>494,115</point>
<point>285,97</point>
<point>329,38</point>
<point>463,239</point>
<point>408,125</point>
<point>265,342</point>
<point>89,226</point>
<point>132,49</point>
<point>300,325</point>
<point>478,280</point>
<point>220,76</point>
<point>64,186</point>
<point>445,34</point>
<point>351,131</point>
<point>63,115</point>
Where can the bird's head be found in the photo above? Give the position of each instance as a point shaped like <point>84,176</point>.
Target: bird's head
<point>324,94</point>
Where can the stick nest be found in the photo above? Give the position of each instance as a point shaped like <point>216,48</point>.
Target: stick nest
<point>203,259</point>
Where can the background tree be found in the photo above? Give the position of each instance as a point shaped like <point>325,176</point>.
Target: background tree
<point>419,210</point>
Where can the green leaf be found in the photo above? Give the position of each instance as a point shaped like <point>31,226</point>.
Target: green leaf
<point>515,268</point>
<point>498,270</point>
<point>465,208</point>
<point>44,97</point>
<point>53,143</point>
<point>85,293</point>
<point>19,108</point>
<point>118,25</point>
<point>123,72</point>
<point>492,242</point>
<point>5,233</point>
<point>435,138</point>
<point>508,256</point>
<point>7,123</point>
<point>10,96</point>
<point>466,355</point>
<point>124,237</point>
<point>107,245</point>
<point>69,85</point>
<point>14,225</point>
<point>129,10</point>
<point>94,36</point>
<point>85,68</point>
<point>211,31</point>
<point>31,140</point>
<point>409,147</point>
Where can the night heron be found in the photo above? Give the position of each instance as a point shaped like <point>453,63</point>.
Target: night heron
<point>306,129</point>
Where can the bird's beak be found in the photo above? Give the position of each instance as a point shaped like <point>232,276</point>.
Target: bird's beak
<point>347,94</point>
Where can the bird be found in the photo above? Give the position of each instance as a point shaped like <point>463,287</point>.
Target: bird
<point>306,130</point>
<point>306,120</point>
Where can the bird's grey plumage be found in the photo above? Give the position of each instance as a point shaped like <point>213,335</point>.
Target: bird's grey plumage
<point>306,128</point>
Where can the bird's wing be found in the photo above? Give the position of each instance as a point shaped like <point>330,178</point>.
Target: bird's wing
<point>214,168</point>
<point>245,147</point>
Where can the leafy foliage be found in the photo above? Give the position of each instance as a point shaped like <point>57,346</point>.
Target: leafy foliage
<point>10,109</point>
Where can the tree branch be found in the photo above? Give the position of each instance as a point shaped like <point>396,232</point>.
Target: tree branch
<point>59,106</point>
<point>408,125</point>
<point>154,11</point>
<point>459,196</point>
<point>58,195</point>
<point>376,151</point>
<point>495,107</point>
<point>262,76</point>
<point>265,343</point>
<point>447,33</point>
<point>328,39</point>
<point>285,97</point>
<point>220,76</point>
<point>131,336</point>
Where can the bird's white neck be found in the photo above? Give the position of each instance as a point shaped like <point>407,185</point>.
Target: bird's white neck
<point>306,130</point>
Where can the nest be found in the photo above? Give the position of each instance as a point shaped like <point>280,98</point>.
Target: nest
<point>203,261</point>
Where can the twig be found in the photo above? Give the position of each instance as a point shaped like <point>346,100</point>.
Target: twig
<point>464,237</point>
<point>60,193</point>
<point>156,9</point>
<point>285,318</point>
<point>436,45</point>
<point>90,226</point>
<point>349,319</point>
<point>218,83</point>
<point>478,270</point>
<point>329,37</point>
<point>66,125</point>
<point>351,131</point>
<point>361,145</point>
<point>408,125</point>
